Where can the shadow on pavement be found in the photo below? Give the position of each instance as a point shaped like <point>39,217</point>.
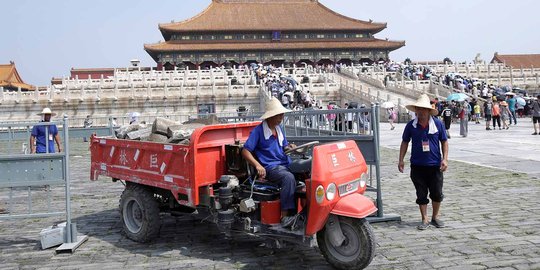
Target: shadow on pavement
<point>186,237</point>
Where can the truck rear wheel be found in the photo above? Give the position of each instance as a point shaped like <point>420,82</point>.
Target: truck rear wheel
<point>357,250</point>
<point>139,212</point>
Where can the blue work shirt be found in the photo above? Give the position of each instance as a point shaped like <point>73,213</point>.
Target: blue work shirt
<point>269,152</point>
<point>419,134</point>
<point>39,132</point>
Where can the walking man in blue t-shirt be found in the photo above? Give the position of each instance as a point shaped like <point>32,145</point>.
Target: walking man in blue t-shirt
<point>428,137</point>
<point>45,134</point>
<point>268,143</point>
<point>512,106</point>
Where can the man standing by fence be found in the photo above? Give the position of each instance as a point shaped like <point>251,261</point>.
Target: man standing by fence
<point>39,140</point>
<point>428,137</point>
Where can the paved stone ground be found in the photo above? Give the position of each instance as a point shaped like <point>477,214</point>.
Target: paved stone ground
<point>492,216</point>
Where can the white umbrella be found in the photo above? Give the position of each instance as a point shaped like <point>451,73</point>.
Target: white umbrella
<point>510,94</point>
<point>388,104</point>
<point>521,101</point>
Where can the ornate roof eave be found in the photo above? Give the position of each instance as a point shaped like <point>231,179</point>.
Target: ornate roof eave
<point>154,49</point>
<point>9,77</point>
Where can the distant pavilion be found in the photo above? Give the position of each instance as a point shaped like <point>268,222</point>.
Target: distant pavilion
<point>233,32</point>
<point>10,79</point>
<point>518,60</point>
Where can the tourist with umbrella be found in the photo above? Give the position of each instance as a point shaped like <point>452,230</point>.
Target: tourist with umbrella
<point>505,114</point>
<point>391,113</point>
<point>457,97</point>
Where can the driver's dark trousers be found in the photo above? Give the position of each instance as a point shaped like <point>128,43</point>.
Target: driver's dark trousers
<point>284,178</point>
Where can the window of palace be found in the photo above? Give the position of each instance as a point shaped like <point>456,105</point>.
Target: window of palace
<point>270,36</point>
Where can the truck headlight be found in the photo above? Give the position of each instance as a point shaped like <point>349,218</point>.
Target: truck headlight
<point>319,194</point>
<point>331,191</point>
<point>363,180</point>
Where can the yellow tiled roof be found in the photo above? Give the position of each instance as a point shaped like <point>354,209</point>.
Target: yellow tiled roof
<point>269,15</point>
<point>9,77</point>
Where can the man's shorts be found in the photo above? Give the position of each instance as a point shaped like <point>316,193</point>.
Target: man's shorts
<point>488,117</point>
<point>536,119</point>
<point>427,179</point>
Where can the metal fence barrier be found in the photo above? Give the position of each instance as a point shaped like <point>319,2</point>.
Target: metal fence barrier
<point>360,125</point>
<point>37,172</point>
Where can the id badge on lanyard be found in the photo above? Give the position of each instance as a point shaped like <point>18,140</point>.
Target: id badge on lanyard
<point>425,142</point>
<point>425,146</point>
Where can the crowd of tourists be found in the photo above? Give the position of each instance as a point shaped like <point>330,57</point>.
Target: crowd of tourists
<point>497,112</point>
<point>285,88</point>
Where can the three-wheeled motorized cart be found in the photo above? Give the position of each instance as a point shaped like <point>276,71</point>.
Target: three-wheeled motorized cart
<point>209,177</point>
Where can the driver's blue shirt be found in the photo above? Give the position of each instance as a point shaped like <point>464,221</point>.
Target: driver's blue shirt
<point>39,132</point>
<point>269,152</point>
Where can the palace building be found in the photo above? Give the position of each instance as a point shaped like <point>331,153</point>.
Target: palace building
<point>232,32</point>
<point>10,79</point>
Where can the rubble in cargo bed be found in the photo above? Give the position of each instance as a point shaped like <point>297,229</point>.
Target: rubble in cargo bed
<point>164,130</point>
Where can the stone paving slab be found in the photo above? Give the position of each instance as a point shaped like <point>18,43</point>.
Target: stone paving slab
<point>492,216</point>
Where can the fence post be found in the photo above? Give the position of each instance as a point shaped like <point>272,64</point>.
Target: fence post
<point>132,91</point>
<point>326,83</point>
<point>245,88</point>
<point>165,91</point>
<point>98,98</point>
<point>66,93</point>
<point>115,91</point>
<point>51,92</point>
<point>511,76</point>
<point>36,95</point>
<point>72,240</point>
<point>398,108</point>
<point>81,94</point>
<point>182,90</point>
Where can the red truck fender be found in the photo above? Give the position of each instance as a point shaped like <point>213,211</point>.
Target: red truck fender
<point>354,205</point>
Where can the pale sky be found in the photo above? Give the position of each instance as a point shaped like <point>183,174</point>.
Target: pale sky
<point>47,38</point>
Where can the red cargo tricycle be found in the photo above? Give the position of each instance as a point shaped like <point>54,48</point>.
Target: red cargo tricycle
<point>209,177</point>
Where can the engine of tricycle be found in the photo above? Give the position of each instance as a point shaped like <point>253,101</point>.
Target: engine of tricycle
<point>244,202</point>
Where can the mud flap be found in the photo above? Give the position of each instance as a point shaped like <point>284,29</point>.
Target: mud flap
<point>333,229</point>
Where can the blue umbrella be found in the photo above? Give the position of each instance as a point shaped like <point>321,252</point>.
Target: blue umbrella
<point>457,97</point>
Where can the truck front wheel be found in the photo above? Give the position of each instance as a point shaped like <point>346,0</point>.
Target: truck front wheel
<point>139,212</point>
<point>357,250</point>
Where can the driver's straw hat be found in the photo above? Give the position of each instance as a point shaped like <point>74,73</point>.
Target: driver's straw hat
<point>273,108</point>
<point>47,111</point>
